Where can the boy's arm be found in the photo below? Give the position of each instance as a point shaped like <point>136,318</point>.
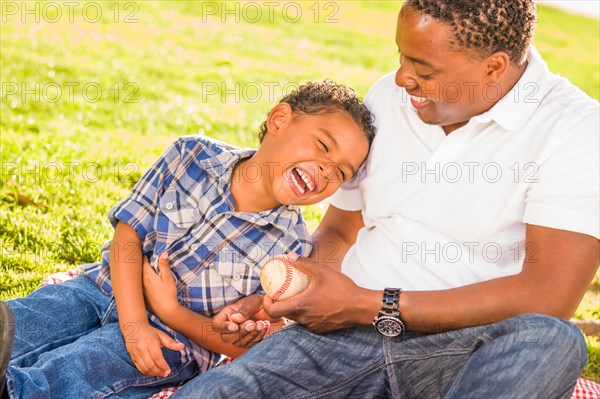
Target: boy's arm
<point>142,341</point>
<point>198,329</point>
<point>126,277</point>
<point>161,298</point>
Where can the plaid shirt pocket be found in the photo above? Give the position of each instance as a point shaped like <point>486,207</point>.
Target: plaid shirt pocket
<point>245,278</point>
<point>182,213</point>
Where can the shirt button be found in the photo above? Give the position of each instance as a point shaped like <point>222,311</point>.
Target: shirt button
<point>194,247</point>
<point>236,277</point>
<point>169,205</point>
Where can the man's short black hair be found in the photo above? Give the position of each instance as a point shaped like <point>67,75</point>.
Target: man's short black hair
<point>485,26</point>
<point>321,97</point>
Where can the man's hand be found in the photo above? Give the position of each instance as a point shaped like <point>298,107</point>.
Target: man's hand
<point>144,342</point>
<point>331,302</point>
<point>160,292</point>
<point>243,323</point>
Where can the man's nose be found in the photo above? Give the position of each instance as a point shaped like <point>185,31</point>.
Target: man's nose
<point>404,78</point>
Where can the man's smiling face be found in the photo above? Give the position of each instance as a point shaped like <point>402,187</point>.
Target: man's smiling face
<point>447,85</point>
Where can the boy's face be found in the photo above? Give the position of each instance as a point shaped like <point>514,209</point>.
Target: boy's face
<point>311,156</point>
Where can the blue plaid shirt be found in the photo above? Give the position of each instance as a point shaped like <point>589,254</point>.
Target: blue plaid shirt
<point>183,205</point>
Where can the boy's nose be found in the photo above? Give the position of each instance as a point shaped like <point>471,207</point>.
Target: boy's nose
<point>327,169</point>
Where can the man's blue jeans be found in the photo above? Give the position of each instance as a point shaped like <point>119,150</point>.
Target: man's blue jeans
<point>529,357</point>
<point>68,344</point>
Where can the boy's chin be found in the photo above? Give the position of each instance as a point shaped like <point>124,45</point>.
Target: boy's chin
<point>310,200</point>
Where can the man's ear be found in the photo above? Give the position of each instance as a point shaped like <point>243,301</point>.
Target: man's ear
<point>496,66</point>
<point>279,117</point>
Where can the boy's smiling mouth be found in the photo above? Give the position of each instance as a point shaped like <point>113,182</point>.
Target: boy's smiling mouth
<point>301,181</point>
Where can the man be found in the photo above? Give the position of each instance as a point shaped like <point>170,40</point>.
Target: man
<point>479,201</point>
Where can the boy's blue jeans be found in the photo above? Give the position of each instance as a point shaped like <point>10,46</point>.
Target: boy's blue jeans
<point>529,357</point>
<point>68,344</point>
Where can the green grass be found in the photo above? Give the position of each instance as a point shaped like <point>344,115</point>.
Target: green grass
<point>77,156</point>
<point>592,370</point>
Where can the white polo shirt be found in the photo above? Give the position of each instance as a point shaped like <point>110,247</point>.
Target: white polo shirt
<point>445,211</point>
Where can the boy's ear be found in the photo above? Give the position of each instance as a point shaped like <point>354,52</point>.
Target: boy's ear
<point>280,115</point>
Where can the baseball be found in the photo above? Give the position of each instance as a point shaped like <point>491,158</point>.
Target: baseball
<point>281,280</point>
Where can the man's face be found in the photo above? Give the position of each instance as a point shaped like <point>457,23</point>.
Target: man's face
<point>447,86</point>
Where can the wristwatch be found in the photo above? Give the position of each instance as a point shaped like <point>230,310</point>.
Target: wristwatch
<point>388,321</point>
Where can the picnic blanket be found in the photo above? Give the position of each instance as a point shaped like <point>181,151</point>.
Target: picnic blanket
<point>584,389</point>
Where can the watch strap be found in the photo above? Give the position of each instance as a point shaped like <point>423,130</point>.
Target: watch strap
<point>390,302</point>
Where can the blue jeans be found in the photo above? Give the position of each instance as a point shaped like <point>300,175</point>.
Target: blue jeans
<point>530,357</point>
<point>68,344</point>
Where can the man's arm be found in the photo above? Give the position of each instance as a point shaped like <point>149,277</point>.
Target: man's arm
<point>335,235</point>
<point>558,268</point>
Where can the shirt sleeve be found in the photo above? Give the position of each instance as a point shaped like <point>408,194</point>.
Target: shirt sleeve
<point>139,208</point>
<point>349,196</point>
<point>565,194</point>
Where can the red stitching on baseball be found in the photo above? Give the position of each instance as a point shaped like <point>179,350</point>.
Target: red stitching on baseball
<point>287,281</point>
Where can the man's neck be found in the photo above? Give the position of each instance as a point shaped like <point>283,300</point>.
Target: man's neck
<point>513,75</point>
<point>506,84</point>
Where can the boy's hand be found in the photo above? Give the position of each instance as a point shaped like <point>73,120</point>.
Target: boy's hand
<point>160,292</point>
<point>144,347</point>
<point>243,323</point>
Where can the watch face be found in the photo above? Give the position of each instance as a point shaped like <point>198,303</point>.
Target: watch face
<point>389,326</point>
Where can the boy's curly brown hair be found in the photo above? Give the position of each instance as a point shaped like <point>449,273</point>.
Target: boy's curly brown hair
<point>485,26</point>
<point>321,97</point>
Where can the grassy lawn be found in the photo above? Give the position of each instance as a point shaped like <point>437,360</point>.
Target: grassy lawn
<point>92,94</point>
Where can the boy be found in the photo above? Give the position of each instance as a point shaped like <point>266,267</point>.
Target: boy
<point>218,213</point>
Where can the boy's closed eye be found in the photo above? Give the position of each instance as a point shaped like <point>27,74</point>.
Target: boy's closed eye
<point>324,146</point>
<point>332,169</point>
<point>342,174</point>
